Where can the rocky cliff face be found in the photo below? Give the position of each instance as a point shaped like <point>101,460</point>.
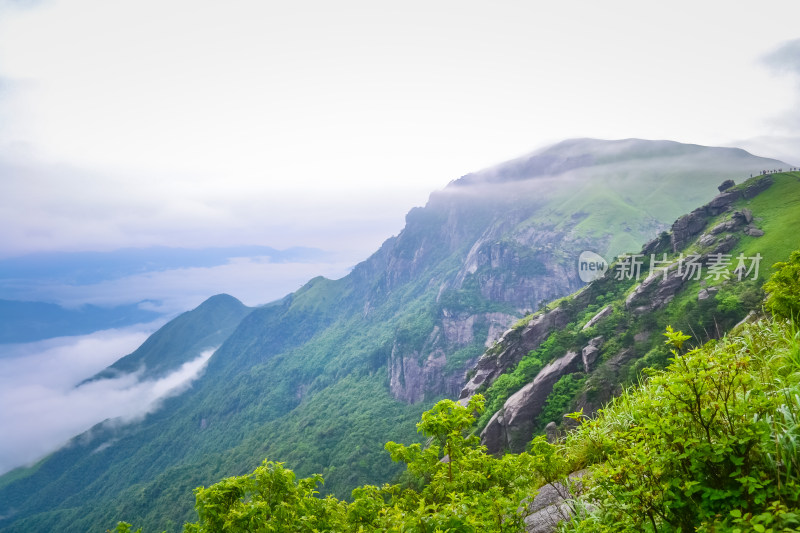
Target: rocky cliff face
<point>689,226</point>
<point>511,427</point>
<point>507,253</point>
<point>413,374</point>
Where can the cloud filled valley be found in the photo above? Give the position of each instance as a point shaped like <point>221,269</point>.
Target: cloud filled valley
<point>42,406</point>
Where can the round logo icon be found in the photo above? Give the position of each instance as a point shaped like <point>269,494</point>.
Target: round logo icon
<point>591,266</point>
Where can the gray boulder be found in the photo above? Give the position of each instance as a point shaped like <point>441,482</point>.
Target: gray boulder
<point>590,352</point>
<point>754,232</point>
<point>655,292</point>
<point>721,202</point>
<point>686,227</point>
<point>515,343</point>
<point>552,504</point>
<point>725,185</point>
<point>512,426</point>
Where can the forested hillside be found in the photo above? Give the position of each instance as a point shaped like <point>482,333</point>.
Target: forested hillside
<point>708,443</point>
<point>323,378</point>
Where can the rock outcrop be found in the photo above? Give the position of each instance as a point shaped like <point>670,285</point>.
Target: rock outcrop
<point>590,353</point>
<point>415,373</point>
<point>521,271</point>
<point>512,426</point>
<point>756,187</point>
<point>511,348</point>
<point>410,378</point>
<point>754,232</point>
<point>605,386</point>
<point>604,312</point>
<point>551,504</point>
<point>689,226</point>
<point>721,202</point>
<point>725,185</point>
<point>655,291</point>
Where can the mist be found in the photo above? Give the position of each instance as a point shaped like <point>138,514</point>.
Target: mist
<point>41,406</point>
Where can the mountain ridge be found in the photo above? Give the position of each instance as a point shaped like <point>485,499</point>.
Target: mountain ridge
<point>322,378</point>
<point>222,310</point>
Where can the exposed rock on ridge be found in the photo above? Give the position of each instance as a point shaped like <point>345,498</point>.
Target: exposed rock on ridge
<point>689,226</point>
<point>511,427</point>
<point>511,348</point>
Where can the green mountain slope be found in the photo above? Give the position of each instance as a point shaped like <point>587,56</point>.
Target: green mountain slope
<point>599,340</point>
<point>323,378</point>
<point>181,339</point>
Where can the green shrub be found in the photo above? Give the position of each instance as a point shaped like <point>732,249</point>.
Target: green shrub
<point>559,400</point>
<point>784,288</point>
<point>449,485</point>
<point>709,444</point>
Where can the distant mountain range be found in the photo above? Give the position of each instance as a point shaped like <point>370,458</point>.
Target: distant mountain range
<point>30,285</point>
<point>324,377</point>
<point>33,321</point>
<point>180,340</point>
<point>82,268</point>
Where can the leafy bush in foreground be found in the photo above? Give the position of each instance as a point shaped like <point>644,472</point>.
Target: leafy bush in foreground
<point>784,288</point>
<point>449,485</point>
<point>710,444</point>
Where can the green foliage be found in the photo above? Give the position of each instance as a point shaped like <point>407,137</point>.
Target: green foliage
<point>522,322</point>
<point>270,499</point>
<point>469,299</point>
<point>458,359</point>
<point>709,444</point>
<point>412,331</point>
<point>559,400</point>
<point>784,288</point>
<point>458,488</point>
<point>464,488</point>
<point>124,527</point>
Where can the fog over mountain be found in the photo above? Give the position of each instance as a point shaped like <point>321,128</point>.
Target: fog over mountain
<point>607,196</point>
<point>323,377</point>
<point>374,192</point>
<point>163,280</point>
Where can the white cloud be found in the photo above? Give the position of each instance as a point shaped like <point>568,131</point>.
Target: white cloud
<point>41,407</point>
<point>782,133</point>
<point>144,123</point>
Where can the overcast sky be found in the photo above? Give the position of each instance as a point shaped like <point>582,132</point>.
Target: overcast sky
<point>196,123</point>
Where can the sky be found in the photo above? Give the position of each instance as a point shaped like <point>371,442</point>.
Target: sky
<point>197,124</point>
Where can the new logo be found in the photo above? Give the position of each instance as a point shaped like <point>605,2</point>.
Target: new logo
<point>591,266</point>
